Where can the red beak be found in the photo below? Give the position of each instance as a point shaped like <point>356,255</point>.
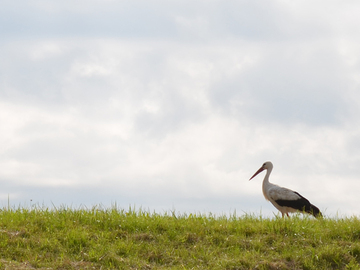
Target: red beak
<point>258,171</point>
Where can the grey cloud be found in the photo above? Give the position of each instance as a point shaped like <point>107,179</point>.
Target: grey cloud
<point>285,88</point>
<point>32,80</point>
<point>138,18</point>
<point>253,20</point>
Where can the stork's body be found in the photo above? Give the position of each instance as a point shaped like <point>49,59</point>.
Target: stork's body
<point>285,200</point>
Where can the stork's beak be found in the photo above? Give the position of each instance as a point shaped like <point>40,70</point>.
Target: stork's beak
<point>258,171</point>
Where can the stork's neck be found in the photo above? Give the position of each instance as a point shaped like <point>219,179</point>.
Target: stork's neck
<point>266,184</point>
<point>267,175</point>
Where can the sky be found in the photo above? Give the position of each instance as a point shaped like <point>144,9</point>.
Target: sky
<point>173,105</point>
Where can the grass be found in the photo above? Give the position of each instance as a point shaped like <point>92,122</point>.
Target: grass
<point>128,239</point>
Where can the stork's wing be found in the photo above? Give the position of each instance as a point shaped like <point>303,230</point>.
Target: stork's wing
<point>283,194</point>
<point>289,198</point>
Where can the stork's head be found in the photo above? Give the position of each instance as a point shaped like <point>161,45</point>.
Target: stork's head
<point>266,166</point>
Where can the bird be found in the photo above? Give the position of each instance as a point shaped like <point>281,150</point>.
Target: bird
<point>284,199</point>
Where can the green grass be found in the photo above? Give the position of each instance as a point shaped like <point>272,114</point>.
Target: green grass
<point>127,239</point>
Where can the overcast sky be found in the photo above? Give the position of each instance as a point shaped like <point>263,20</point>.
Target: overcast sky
<point>173,105</point>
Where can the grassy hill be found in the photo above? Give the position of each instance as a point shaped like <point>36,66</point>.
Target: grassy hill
<point>126,239</point>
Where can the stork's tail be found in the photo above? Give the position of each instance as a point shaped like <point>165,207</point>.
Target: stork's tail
<point>314,211</point>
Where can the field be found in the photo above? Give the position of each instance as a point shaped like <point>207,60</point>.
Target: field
<point>133,239</point>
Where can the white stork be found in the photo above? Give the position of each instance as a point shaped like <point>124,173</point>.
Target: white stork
<point>285,200</point>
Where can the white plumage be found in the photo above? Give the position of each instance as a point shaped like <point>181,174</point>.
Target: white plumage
<point>285,200</point>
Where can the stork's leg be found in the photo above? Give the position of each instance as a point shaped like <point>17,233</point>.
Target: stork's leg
<point>287,214</point>
<point>282,214</point>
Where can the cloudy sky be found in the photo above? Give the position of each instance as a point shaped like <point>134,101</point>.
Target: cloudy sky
<point>173,105</point>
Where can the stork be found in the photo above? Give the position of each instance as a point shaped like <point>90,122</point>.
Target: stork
<point>285,200</point>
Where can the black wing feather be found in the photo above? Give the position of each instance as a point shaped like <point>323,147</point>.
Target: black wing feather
<point>302,204</point>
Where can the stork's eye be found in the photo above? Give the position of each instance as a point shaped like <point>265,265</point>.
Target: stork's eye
<point>264,164</point>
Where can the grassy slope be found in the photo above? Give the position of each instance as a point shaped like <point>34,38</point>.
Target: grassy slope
<point>120,239</point>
